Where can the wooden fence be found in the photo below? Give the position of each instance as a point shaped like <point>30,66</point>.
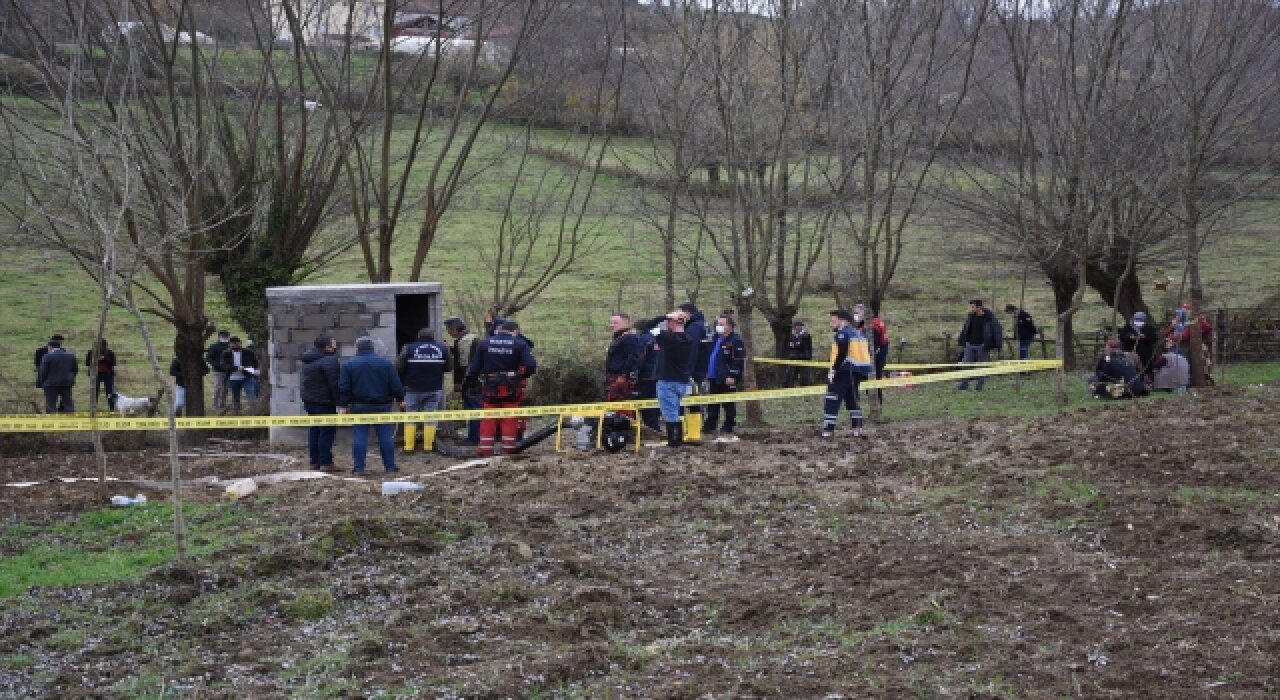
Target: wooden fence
<point>1239,335</point>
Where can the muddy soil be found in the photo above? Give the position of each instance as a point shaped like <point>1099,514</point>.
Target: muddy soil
<point>1127,550</point>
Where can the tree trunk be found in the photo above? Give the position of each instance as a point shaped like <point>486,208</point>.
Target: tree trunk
<point>754,411</point>
<point>1122,292</point>
<point>1063,293</point>
<point>189,349</point>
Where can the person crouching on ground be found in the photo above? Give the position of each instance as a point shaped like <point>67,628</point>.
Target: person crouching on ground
<point>1115,376</point>
<point>724,374</point>
<point>501,366</point>
<point>368,383</point>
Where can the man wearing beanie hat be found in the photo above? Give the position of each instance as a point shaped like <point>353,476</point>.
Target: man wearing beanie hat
<point>1140,337</point>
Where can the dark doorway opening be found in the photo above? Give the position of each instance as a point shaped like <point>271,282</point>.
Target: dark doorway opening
<point>413,312</point>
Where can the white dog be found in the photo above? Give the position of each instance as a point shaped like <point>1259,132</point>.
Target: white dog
<point>129,406</point>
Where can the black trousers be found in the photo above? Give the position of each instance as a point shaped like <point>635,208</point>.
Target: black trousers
<point>795,371</point>
<point>711,417</point>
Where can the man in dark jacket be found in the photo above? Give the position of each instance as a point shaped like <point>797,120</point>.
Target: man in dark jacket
<point>501,366</point>
<point>318,389</point>
<point>41,352</point>
<point>241,367</point>
<point>464,345</point>
<point>647,375</point>
<point>1024,329</point>
<point>213,358</point>
<point>368,383</point>
<point>675,348</point>
<point>57,376</point>
<point>1140,338</point>
<point>622,359</point>
<point>980,335</point>
<point>1115,369</point>
<point>799,347</point>
<point>724,374</point>
<point>696,329</point>
<point>422,365</point>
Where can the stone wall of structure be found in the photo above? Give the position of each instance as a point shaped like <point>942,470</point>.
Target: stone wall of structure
<point>297,315</point>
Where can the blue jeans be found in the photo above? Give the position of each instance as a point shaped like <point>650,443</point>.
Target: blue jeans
<point>320,437</point>
<point>1024,348</point>
<point>669,395</point>
<point>974,353</point>
<point>248,385</point>
<point>360,438</point>
<point>417,401</point>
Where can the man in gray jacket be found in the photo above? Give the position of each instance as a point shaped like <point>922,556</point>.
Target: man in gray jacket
<point>58,369</point>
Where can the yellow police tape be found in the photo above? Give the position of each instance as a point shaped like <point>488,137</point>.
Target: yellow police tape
<point>897,367</point>
<point>55,424</point>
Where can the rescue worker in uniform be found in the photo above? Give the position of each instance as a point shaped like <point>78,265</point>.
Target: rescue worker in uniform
<point>501,365</point>
<point>622,360</point>
<point>844,376</point>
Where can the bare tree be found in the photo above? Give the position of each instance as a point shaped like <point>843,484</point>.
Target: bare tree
<point>549,215</point>
<point>1048,185</point>
<point>435,94</point>
<point>1217,62</point>
<point>893,76</point>
<point>148,90</point>
<point>674,99</point>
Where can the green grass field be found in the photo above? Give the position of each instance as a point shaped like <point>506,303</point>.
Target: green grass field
<point>941,268</point>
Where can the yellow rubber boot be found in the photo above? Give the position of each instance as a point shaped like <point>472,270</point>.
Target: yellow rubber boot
<point>428,437</point>
<point>410,436</point>
<point>692,426</point>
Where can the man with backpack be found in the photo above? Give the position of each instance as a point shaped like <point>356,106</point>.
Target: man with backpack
<point>980,335</point>
<point>1024,330</point>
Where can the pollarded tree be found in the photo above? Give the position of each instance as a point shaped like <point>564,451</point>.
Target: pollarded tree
<point>1217,62</point>
<point>1055,109</point>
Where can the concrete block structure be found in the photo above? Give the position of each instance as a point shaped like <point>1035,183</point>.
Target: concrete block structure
<point>390,313</point>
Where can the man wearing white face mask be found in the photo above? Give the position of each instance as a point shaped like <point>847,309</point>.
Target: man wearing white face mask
<point>1141,339</point>
<point>724,374</point>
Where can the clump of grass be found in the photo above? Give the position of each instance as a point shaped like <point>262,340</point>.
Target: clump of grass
<point>310,604</point>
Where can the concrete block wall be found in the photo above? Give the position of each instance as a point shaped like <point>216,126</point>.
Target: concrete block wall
<point>297,315</point>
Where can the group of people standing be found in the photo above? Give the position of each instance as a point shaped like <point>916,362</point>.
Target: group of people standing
<point>57,369</point>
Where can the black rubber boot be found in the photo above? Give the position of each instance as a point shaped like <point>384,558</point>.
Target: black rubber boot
<point>675,434</point>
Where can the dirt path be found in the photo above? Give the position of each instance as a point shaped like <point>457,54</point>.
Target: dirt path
<point>1131,550</point>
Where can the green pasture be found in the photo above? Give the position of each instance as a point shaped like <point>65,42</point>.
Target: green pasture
<point>621,267</point>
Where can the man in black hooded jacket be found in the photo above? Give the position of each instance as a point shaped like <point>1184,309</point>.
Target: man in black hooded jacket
<point>318,390</point>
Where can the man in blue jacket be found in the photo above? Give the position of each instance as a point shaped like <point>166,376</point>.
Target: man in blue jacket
<point>318,389</point>
<point>724,373</point>
<point>57,375</point>
<point>647,376</point>
<point>369,384</point>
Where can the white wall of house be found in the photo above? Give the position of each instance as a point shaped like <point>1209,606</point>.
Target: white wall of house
<point>324,18</point>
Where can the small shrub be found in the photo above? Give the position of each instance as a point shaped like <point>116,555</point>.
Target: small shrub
<point>310,605</point>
